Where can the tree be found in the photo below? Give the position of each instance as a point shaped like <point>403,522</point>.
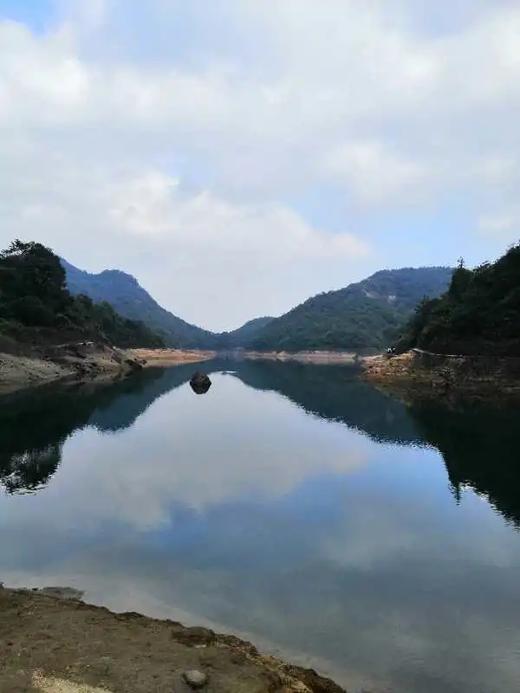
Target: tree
<point>33,293</point>
<point>31,269</point>
<point>479,314</point>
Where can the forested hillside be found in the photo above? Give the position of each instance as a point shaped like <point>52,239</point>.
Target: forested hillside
<point>479,314</point>
<point>35,305</point>
<point>365,315</point>
<point>243,335</point>
<point>127,297</point>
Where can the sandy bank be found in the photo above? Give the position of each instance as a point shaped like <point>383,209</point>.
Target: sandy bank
<point>170,357</point>
<point>318,357</point>
<point>51,645</point>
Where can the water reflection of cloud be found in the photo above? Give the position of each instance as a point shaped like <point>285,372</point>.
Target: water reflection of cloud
<point>285,528</point>
<point>195,453</point>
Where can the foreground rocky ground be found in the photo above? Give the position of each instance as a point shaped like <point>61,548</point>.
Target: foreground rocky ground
<point>52,645</point>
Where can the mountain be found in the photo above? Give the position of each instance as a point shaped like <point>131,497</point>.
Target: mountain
<point>243,335</point>
<point>365,315</point>
<point>478,314</point>
<point>368,314</point>
<point>37,308</point>
<point>128,298</point>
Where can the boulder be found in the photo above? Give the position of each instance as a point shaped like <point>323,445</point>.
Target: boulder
<point>200,383</point>
<point>195,679</point>
<point>134,364</point>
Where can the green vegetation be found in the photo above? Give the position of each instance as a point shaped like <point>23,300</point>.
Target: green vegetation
<point>366,315</point>
<point>479,314</point>
<point>35,304</point>
<point>243,335</point>
<point>128,298</point>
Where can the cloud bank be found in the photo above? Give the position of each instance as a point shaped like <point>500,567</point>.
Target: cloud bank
<point>239,156</point>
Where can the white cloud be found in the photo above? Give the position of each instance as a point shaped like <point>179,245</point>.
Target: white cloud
<point>226,255</point>
<point>208,258</point>
<point>505,224</point>
<point>153,204</point>
<point>163,135</point>
<point>372,173</point>
<point>202,477</point>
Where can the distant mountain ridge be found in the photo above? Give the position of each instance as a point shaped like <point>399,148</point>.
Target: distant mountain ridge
<point>243,335</point>
<point>363,315</point>
<point>128,298</point>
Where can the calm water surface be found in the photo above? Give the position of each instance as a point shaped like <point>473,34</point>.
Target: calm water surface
<point>292,504</point>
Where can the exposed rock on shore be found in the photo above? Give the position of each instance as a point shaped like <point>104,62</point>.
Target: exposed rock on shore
<point>77,360</point>
<point>48,644</point>
<point>200,383</point>
<point>446,375</point>
<point>83,360</point>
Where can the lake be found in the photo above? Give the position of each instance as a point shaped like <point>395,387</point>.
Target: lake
<point>292,504</point>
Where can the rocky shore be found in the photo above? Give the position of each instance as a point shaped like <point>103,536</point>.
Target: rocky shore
<point>83,361</point>
<point>51,642</point>
<point>429,374</point>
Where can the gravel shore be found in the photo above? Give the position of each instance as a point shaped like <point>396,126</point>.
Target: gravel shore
<point>51,642</point>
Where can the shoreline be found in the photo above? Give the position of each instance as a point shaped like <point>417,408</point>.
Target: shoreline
<point>417,372</point>
<point>316,357</point>
<point>85,361</point>
<point>445,375</point>
<point>90,361</point>
<point>151,358</point>
<point>52,641</point>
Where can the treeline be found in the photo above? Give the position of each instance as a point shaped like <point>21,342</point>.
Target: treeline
<point>479,314</point>
<point>35,304</point>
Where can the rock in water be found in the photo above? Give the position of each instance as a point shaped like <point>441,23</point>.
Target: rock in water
<point>194,678</point>
<point>200,383</point>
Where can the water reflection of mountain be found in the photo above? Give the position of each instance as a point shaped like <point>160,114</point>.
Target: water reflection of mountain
<point>34,424</point>
<point>479,443</point>
<point>335,393</point>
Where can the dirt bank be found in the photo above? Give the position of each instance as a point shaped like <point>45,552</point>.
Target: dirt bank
<point>52,645</point>
<point>445,375</point>
<point>21,371</point>
<point>83,361</point>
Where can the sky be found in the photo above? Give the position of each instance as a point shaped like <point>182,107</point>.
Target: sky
<point>238,156</point>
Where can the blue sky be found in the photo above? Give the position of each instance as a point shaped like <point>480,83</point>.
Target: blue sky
<point>237,156</point>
